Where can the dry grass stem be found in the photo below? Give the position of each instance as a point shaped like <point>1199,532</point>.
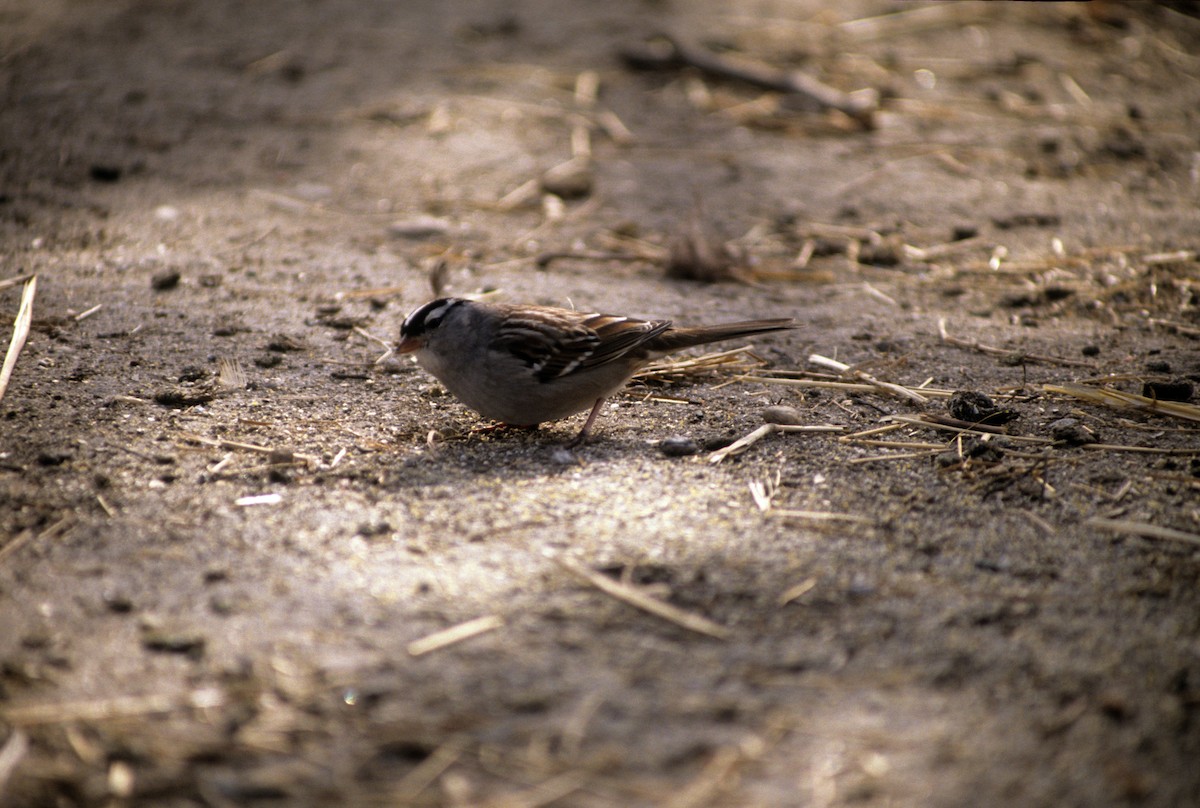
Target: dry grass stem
<point>797,591</point>
<point>888,387</point>
<point>764,491</point>
<point>822,516</point>
<point>20,332</point>
<point>17,281</point>
<point>429,769</point>
<point>640,600</point>
<point>455,634</point>
<point>388,350</point>
<point>742,444</point>
<point>981,429</point>
<point>1143,529</point>
<point>544,793</point>
<point>892,444</point>
<point>11,756</point>
<point>1015,356</point>
<point>721,773</point>
<point>687,367</point>
<point>26,536</point>
<point>854,461</point>
<point>1119,400</point>
<point>878,430</point>
<point>1178,328</point>
<point>849,387</point>
<point>83,315</point>
<point>1113,447</point>
<point>31,715</point>
<point>221,443</point>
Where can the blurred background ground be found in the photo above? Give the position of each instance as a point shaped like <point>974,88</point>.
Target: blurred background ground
<point>224,524</point>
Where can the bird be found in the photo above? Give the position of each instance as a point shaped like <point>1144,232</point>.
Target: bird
<point>523,364</point>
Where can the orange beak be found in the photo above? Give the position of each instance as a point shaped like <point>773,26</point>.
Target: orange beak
<point>409,344</point>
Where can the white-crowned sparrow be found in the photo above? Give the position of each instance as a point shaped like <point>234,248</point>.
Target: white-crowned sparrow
<point>522,364</point>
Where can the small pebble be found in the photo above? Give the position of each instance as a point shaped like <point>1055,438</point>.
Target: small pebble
<point>782,414</point>
<point>678,446</point>
<point>419,227</point>
<point>977,408</point>
<point>1090,350</point>
<point>167,279</point>
<point>1071,432</point>
<point>1174,390</point>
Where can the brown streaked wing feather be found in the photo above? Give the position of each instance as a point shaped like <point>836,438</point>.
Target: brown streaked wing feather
<point>620,336</point>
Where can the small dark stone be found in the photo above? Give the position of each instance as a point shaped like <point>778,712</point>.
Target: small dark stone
<point>170,642</point>
<point>1174,390</point>
<point>281,457</point>
<point>1016,220</point>
<point>961,232</point>
<point>117,602</point>
<point>283,343</point>
<point>101,172</point>
<point>53,457</point>
<point>1158,366</point>
<point>887,253</point>
<point>1071,432</point>
<point>165,280</point>
<point>1090,350</point>
<point>978,408</point>
<point>373,527</point>
<point>715,442</point>
<point>678,446</point>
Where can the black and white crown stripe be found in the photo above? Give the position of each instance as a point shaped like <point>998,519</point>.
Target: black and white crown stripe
<point>428,316</point>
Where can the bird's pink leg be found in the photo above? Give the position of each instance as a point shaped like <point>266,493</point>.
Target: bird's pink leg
<point>579,439</point>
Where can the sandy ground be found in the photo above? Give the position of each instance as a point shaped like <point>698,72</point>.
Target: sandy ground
<point>226,529</point>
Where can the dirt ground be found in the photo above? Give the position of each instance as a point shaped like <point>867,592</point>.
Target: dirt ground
<point>230,537</point>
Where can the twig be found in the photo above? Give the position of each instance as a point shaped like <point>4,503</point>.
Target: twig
<point>742,444</point>
<point>640,600</point>
<point>798,86</point>
<point>1144,529</point>
<point>895,389</point>
<point>455,634</point>
<point>1015,356</point>
<point>20,331</point>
